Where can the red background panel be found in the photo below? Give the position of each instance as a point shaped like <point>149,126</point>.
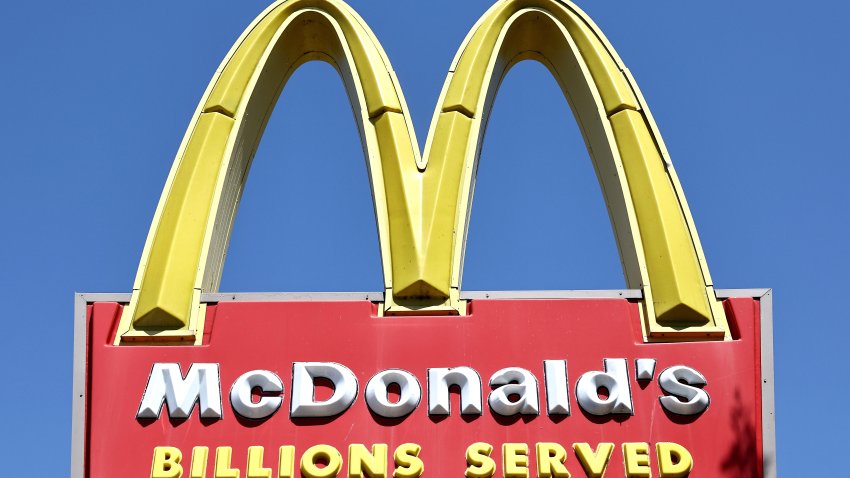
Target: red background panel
<point>725,441</point>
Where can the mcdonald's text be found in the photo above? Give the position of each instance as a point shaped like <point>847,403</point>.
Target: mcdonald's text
<point>396,393</point>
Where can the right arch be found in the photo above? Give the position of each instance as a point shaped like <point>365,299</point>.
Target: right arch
<point>659,247</point>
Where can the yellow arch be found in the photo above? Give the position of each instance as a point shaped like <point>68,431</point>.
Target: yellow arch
<point>421,205</point>
<point>184,252</point>
<point>658,243</point>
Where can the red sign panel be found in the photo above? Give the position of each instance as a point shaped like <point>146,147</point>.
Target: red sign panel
<point>516,388</point>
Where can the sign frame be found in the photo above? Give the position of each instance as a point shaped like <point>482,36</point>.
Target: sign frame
<point>81,347</point>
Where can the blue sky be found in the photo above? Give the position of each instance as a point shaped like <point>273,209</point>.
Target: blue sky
<point>750,98</point>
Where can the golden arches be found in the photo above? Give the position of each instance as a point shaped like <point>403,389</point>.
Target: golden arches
<point>421,205</point>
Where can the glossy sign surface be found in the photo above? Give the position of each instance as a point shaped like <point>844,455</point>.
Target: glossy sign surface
<point>240,337</point>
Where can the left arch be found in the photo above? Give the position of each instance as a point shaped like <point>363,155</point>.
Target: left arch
<point>185,250</point>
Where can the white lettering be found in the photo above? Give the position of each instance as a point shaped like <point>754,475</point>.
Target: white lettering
<point>695,399</point>
<point>166,384</point>
<point>377,397</point>
<point>304,375</point>
<point>615,381</point>
<point>439,381</point>
<point>514,381</point>
<point>243,387</point>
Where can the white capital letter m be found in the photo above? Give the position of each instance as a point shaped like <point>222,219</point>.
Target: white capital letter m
<point>166,384</point>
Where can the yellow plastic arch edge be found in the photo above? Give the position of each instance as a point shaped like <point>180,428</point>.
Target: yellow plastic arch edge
<point>420,202</point>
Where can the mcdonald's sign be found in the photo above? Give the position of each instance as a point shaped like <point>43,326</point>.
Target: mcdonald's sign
<point>670,377</point>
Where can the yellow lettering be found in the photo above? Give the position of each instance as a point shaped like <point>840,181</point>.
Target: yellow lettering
<point>594,462</point>
<point>166,462</point>
<point>407,461</point>
<point>222,463</point>
<point>363,463</point>
<point>515,460</point>
<point>286,462</point>
<point>550,461</point>
<point>480,465</point>
<point>255,467</point>
<point>200,455</point>
<point>325,454</point>
<point>636,460</point>
<point>674,460</point>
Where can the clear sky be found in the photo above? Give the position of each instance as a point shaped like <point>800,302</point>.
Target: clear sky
<point>750,97</point>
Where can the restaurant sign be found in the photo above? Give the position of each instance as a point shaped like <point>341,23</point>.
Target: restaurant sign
<point>667,378</point>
